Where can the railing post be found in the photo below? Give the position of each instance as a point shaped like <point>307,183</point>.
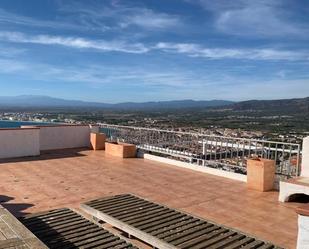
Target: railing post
<point>298,170</point>
<point>204,147</point>
<point>305,158</point>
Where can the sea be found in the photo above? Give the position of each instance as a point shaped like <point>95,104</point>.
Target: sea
<point>17,124</point>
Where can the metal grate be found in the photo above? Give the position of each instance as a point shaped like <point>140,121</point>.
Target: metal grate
<point>64,228</point>
<point>163,227</point>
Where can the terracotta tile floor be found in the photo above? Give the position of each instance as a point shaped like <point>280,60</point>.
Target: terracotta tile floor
<point>67,178</point>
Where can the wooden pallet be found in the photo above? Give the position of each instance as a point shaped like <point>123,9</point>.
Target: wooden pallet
<point>64,228</point>
<point>167,228</point>
<point>13,234</point>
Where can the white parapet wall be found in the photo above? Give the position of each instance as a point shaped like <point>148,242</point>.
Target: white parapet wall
<point>305,158</point>
<point>303,232</point>
<point>19,142</point>
<point>303,226</point>
<point>30,140</point>
<point>64,137</point>
<point>204,169</point>
<point>288,189</point>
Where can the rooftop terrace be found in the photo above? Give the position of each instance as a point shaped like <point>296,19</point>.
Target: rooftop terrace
<point>66,178</point>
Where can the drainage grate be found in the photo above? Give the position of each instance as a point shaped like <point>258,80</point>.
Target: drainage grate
<point>163,227</point>
<point>63,228</point>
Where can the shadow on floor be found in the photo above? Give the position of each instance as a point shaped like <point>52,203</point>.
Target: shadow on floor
<point>63,228</point>
<point>48,155</point>
<point>17,209</point>
<point>47,234</point>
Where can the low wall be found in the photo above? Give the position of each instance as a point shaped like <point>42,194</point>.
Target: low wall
<point>303,226</point>
<point>208,170</point>
<point>65,136</point>
<point>30,140</point>
<point>305,158</point>
<point>19,142</point>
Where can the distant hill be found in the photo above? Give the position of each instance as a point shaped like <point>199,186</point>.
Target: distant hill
<point>174,104</point>
<point>40,101</point>
<point>25,101</point>
<point>280,105</point>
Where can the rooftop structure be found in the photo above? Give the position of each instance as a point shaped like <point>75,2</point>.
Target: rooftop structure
<point>66,177</point>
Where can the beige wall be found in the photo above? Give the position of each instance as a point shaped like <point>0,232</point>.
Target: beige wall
<point>19,142</point>
<point>63,137</point>
<point>30,140</point>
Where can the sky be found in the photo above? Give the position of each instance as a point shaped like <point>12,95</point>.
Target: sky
<point>153,50</point>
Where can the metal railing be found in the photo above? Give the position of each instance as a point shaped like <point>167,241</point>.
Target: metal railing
<point>226,153</point>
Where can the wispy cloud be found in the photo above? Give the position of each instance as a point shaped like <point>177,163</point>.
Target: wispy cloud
<point>119,15</point>
<point>74,42</point>
<point>196,50</point>
<point>189,49</point>
<point>149,19</point>
<point>96,75</point>
<point>160,83</point>
<point>266,18</point>
<point>123,75</point>
<point>11,66</point>
<point>7,17</point>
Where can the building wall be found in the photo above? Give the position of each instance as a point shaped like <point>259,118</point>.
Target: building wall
<point>19,142</point>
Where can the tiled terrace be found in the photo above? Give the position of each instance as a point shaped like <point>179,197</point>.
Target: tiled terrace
<point>68,177</point>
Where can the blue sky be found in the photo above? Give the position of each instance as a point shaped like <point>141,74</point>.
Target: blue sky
<point>115,51</point>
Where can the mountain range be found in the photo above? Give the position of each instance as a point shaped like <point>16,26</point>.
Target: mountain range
<point>35,101</point>
<point>287,105</point>
<point>46,101</point>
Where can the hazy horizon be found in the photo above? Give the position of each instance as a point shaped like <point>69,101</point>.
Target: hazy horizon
<point>138,102</point>
<point>137,51</point>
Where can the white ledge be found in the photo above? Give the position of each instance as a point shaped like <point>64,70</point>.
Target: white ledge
<point>204,169</point>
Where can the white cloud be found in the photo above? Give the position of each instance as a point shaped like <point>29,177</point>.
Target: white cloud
<point>263,18</point>
<point>120,16</point>
<point>189,49</point>
<point>97,75</point>
<point>74,42</point>
<point>196,50</point>
<point>161,83</point>
<point>149,19</point>
<point>11,18</point>
<point>133,76</point>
